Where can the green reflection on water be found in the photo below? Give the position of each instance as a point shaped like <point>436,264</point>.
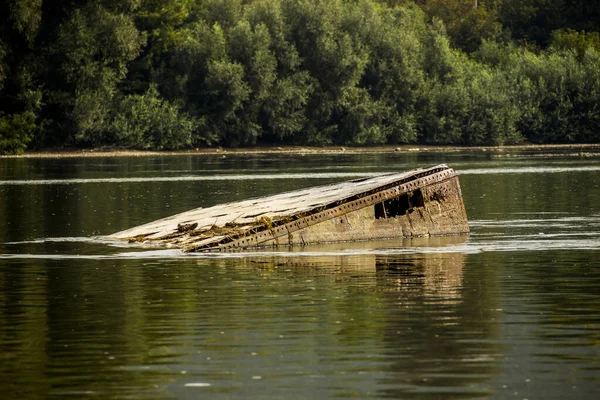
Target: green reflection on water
<point>511,308</point>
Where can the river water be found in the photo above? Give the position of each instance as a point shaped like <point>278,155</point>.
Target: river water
<point>510,311</point>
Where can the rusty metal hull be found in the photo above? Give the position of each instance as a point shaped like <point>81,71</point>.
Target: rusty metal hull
<point>423,202</point>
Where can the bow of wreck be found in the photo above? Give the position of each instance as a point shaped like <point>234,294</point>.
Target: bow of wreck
<point>422,202</point>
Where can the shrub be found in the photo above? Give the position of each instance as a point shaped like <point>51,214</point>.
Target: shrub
<point>16,131</point>
<point>148,122</point>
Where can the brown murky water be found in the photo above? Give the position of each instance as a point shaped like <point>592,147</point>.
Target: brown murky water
<point>511,311</point>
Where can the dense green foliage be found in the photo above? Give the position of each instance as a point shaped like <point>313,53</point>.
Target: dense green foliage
<point>172,74</point>
<point>16,131</point>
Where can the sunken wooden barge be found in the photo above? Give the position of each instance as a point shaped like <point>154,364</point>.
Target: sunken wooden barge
<point>422,202</point>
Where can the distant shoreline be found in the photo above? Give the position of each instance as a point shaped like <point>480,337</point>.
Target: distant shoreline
<point>300,150</point>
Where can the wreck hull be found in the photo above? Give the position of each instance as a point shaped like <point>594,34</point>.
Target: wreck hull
<point>432,219</point>
<point>425,202</point>
<point>435,217</point>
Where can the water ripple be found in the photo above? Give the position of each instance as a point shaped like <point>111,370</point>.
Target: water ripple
<point>527,170</point>
<point>524,243</point>
<point>244,177</point>
<point>317,175</point>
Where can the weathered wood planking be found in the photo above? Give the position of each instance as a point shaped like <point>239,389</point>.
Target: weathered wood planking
<point>273,220</point>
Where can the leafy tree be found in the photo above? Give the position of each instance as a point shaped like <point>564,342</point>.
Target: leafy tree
<point>556,91</point>
<point>16,131</point>
<point>26,16</point>
<point>156,74</point>
<point>94,46</point>
<point>526,20</point>
<point>535,20</point>
<point>493,115</point>
<point>467,22</point>
<point>282,113</point>
<point>567,92</point>
<point>333,59</point>
<point>148,122</point>
<point>20,70</point>
<point>467,103</point>
<point>394,75</point>
<point>165,25</point>
<point>226,13</point>
<point>227,92</point>
<point>579,42</point>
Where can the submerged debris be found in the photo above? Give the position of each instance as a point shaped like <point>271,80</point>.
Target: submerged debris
<point>422,202</point>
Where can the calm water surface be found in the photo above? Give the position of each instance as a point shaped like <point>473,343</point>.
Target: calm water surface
<point>511,311</point>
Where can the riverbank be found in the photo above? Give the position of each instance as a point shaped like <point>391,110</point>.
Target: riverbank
<point>577,149</point>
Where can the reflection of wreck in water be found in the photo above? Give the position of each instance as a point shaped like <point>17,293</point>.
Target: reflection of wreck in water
<point>403,261</point>
<point>423,202</point>
<point>437,276</point>
<point>365,256</point>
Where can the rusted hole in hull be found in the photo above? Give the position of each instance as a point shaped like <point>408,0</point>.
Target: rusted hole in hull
<point>400,205</point>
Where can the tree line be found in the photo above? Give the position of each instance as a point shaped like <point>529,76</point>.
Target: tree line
<point>158,74</point>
